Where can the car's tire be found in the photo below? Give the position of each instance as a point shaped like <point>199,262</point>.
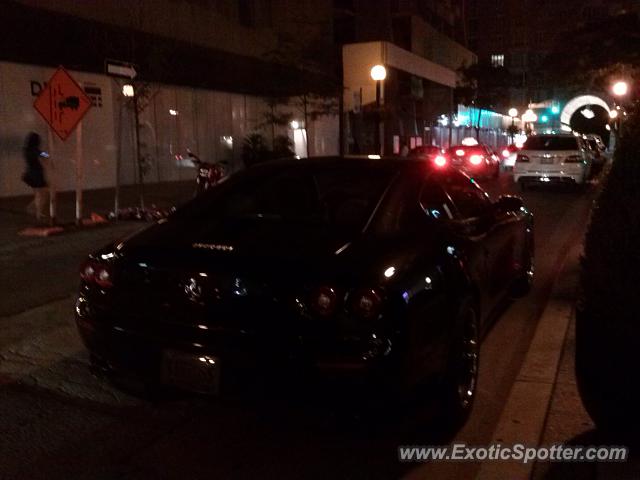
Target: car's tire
<point>496,172</point>
<point>523,186</point>
<point>524,282</point>
<point>461,378</point>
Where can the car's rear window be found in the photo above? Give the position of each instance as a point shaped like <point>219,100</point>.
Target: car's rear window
<point>340,196</point>
<point>541,142</point>
<point>467,149</point>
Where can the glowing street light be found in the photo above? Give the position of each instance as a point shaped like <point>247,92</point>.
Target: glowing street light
<point>513,112</point>
<point>127,90</point>
<point>378,73</point>
<point>620,89</point>
<point>295,124</point>
<point>529,116</point>
<point>613,113</point>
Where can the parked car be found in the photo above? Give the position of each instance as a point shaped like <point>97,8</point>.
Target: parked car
<point>475,160</point>
<point>385,271</point>
<point>431,153</point>
<point>509,154</point>
<point>553,158</point>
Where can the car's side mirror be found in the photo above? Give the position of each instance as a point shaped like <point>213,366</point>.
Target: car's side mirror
<point>509,204</point>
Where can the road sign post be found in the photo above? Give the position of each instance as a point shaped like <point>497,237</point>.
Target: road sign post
<point>62,104</point>
<point>79,174</point>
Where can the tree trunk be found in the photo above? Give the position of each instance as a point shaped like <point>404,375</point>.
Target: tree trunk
<point>273,126</point>
<point>306,123</point>
<point>478,125</point>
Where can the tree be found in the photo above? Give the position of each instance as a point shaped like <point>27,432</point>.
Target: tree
<point>589,57</point>
<point>607,329</point>
<point>315,89</point>
<point>606,316</point>
<point>482,86</point>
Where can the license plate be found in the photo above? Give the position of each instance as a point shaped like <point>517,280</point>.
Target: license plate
<point>546,161</point>
<point>193,372</point>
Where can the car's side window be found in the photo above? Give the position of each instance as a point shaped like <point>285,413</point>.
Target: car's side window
<point>435,202</point>
<point>469,199</point>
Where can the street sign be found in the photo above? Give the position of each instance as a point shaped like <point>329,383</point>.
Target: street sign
<point>62,103</point>
<point>116,68</point>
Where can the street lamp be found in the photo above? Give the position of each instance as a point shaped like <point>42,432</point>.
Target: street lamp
<point>513,113</point>
<point>378,74</point>
<point>620,88</point>
<point>529,117</point>
<point>127,90</point>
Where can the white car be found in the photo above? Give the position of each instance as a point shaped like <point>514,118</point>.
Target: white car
<point>548,159</point>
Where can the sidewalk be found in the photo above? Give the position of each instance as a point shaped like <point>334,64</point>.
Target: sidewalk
<point>14,216</point>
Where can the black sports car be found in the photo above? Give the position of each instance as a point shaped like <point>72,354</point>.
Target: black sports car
<point>385,271</point>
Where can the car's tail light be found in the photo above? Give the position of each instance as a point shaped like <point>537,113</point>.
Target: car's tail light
<point>324,301</point>
<point>366,303</point>
<point>440,161</point>
<point>506,153</point>
<point>476,159</point>
<point>522,159</point>
<point>97,273</point>
<point>573,159</point>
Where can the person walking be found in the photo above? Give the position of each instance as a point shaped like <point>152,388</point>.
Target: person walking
<point>34,173</point>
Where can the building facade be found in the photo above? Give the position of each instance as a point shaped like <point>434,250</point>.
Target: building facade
<point>520,34</point>
<point>214,72</point>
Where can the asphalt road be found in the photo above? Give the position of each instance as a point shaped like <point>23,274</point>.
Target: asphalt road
<point>57,421</point>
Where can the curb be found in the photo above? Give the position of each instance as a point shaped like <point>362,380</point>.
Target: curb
<point>524,416</point>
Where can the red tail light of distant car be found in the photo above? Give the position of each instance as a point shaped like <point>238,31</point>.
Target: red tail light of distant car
<point>475,159</point>
<point>440,161</point>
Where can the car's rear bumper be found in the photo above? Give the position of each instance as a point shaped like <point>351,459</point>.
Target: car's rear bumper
<point>244,361</point>
<point>542,176</point>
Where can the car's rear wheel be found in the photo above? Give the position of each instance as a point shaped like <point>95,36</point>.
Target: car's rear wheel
<point>461,378</point>
<point>524,281</point>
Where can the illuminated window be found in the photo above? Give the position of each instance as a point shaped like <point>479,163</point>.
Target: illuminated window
<point>497,60</point>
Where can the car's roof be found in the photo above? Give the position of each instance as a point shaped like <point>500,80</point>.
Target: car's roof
<point>338,161</point>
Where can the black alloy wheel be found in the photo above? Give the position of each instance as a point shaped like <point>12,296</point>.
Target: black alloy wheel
<point>461,379</point>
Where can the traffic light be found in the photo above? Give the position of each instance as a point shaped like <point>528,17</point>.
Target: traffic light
<point>544,118</point>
